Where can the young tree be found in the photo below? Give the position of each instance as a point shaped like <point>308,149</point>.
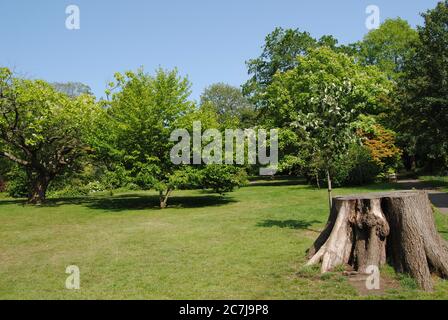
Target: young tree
<point>43,131</point>
<point>142,114</point>
<point>319,100</point>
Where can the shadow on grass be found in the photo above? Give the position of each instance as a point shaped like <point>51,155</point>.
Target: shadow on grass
<point>289,224</point>
<point>132,202</point>
<point>152,202</point>
<point>277,182</point>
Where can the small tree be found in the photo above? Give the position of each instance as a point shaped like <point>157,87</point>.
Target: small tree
<point>319,100</point>
<point>43,131</point>
<point>143,112</point>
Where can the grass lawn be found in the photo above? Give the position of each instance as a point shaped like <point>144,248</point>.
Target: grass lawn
<point>248,245</point>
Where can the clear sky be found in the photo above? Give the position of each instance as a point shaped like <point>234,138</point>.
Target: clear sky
<point>208,40</point>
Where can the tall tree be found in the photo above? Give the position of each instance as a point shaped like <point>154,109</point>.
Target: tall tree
<point>389,46</point>
<point>42,130</point>
<point>280,52</point>
<point>318,102</point>
<point>424,90</point>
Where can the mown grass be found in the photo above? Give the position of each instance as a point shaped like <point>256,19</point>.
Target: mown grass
<point>248,245</point>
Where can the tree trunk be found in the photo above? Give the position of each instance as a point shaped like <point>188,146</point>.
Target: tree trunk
<point>38,190</point>
<point>164,198</point>
<point>368,230</point>
<point>330,189</point>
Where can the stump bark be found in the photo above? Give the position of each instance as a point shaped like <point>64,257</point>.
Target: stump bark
<point>372,229</point>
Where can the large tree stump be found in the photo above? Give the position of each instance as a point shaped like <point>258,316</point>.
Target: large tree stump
<point>372,229</point>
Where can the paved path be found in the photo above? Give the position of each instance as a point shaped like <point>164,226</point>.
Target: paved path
<point>438,198</point>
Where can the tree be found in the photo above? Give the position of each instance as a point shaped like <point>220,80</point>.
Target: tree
<point>72,89</point>
<point>142,114</point>
<point>388,47</point>
<point>233,109</point>
<point>43,131</point>
<point>280,52</point>
<point>318,102</point>
<point>423,91</point>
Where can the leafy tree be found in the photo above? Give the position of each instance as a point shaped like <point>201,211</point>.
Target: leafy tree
<point>72,89</point>
<point>318,102</point>
<point>424,91</point>
<point>280,52</point>
<point>43,131</point>
<point>141,115</point>
<point>233,109</point>
<point>388,47</point>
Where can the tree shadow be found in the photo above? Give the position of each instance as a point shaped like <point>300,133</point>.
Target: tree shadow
<point>4,202</point>
<point>134,202</point>
<point>277,182</point>
<point>289,224</point>
<point>152,202</point>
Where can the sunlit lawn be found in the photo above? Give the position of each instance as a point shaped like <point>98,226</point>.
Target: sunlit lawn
<point>247,245</point>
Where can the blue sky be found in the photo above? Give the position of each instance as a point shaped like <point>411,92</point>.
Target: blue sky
<point>208,40</point>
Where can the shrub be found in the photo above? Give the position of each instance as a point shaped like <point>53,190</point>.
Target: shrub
<point>223,178</point>
<point>356,168</point>
<point>17,186</point>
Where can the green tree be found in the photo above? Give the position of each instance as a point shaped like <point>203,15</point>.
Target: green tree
<point>317,103</point>
<point>42,130</point>
<point>280,52</point>
<point>424,91</point>
<point>143,112</point>
<point>233,109</point>
<point>389,46</point>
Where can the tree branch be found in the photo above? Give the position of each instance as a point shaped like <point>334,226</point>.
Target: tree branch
<point>13,158</point>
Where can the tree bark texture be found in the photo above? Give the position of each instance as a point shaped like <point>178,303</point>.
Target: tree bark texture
<point>372,229</point>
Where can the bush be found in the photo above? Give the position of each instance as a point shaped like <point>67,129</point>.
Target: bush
<point>223,178</point>
<point>17,186</point>
<point>357,168</point>
<point>70,192</point>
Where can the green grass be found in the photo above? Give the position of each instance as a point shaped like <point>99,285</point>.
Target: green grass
<point>248,245</point>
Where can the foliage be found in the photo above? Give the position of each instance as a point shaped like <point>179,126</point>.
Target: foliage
<point>232,108</point>
<point>388,47</point>
<point>380,142</point>
<point>141,115</point>
<point>17,186</point>
<point>424,91</point>
<point>223,178</point>
<point>280,52</point>
<point>42,130</point>
<point>318,102</point>
<point>356,167</point>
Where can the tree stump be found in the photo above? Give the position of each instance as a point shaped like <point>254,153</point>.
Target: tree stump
<point>372,229</point>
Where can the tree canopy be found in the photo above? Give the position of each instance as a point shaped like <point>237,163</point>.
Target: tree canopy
<point>42,130</point>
